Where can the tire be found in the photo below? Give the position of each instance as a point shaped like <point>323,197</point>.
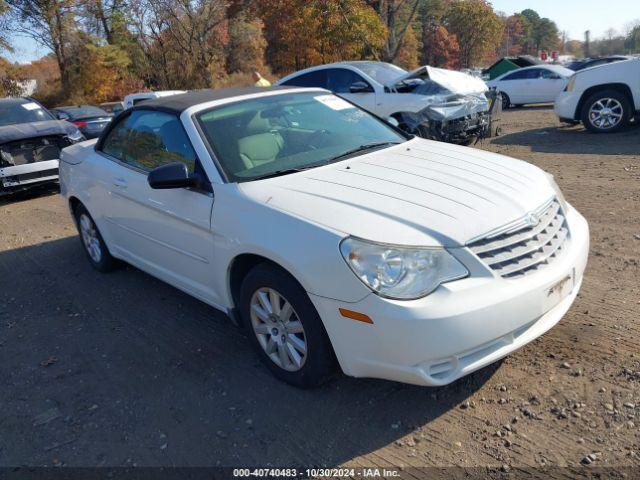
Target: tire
<point>611,101</point>
<point>92,242</point>
<point>281,336</point>
<point>506,101</point>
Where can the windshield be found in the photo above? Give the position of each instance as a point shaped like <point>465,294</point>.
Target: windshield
<point>422,86</point>
<point>260,137</point>
<point>14,112</point>
<point>83,111</point>
<point>383,73</point>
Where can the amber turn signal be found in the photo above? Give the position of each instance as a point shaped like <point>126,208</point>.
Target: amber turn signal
<point>361,317</point>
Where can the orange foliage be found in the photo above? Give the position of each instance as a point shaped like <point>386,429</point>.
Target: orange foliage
<point>301,33</point>
<point>407,57</point>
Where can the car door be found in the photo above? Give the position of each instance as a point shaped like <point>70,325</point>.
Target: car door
<point>352,86</point>
<point>537,86</point>
<point>165,232</point>
<point>514,85</point>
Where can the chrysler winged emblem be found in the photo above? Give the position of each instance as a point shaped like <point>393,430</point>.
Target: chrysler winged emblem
<point>532,219</point>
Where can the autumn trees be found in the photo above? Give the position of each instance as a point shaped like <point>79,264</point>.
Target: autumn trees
<point>182,40</point>
<point>52,24</point>
<point>103,49</point>
<point>301,33</point>
<point>476,26</point>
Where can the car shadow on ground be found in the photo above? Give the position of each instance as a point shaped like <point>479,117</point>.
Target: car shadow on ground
<point>574,139</point>
<point>122,369</point>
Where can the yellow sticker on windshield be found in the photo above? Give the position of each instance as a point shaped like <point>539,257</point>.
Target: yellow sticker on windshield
<point>333,102</point>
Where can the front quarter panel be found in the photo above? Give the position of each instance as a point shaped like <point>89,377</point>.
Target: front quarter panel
<point>307,251</point>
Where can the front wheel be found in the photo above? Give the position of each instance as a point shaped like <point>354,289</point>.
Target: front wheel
<point>285,328</point>
<point>506,101</point>
<point>606,111</point>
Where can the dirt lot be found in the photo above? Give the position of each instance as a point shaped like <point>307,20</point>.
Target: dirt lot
<point>122,369</point>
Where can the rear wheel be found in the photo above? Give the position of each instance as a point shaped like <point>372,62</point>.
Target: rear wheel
<point>285,328</point>
<point>606,111</point>
<point>92,241</point>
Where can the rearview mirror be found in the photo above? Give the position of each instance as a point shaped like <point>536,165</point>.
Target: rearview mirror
<point>360,87</point>
<point>172,175</point>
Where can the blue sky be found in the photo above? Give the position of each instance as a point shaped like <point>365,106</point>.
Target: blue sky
<point>25,50</point>
<point>574,16</point>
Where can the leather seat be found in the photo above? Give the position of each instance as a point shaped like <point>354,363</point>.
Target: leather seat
<point>259,149</point>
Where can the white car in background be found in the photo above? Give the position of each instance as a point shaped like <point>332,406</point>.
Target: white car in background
<point>135,98</point>
<point>329,233</point>
<point>604,98</point>
<point>536,84</point>
<point>430,102</point>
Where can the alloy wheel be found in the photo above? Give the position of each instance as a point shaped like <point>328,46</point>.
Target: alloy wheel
<point>90,238</point>
<point>606,113</point>
<point>278,329</point>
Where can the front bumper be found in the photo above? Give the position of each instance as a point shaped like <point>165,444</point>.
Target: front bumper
<point>457,130</point>
<point>461,327</point>
<point>30,174</point>
<point>566,105</point>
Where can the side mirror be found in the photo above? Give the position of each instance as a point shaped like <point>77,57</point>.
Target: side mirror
<point>360,87</point>
<point>62,116</point>
<point>171,175</point>
<point>393,121</point>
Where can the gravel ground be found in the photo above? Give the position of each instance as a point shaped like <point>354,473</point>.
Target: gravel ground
<point>122,370</point>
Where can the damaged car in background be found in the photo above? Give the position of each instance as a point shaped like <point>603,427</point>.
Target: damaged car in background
<point>430,102</point>
<point>30,143</point>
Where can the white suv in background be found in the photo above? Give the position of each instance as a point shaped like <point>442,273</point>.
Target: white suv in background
<point>604,98</point>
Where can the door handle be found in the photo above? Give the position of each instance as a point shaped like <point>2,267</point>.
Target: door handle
<point>119,182</point>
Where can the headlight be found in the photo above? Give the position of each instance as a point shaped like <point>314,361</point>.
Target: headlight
<point>401,273</point>
<point>559,195</point>
<point>75,136</point>
<point>572,82</point>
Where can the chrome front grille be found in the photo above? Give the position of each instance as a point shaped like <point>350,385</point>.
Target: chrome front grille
<point>526,246</point>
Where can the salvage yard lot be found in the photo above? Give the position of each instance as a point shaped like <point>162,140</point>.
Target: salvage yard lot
<point>122,369</point>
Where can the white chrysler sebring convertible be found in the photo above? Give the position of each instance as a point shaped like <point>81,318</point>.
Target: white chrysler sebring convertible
<point>329,234</point>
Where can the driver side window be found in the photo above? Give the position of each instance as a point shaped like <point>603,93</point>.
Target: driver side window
<point>147,139</point>
<point>517,75</point>
<point>549,75</point>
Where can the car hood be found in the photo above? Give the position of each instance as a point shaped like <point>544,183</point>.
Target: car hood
<point>456,82</point>
<point>21,131</point>
<point>418,193</point>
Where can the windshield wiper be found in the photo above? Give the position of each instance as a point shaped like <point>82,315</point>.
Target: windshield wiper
<point>361,148</point>
<point>284,171</point>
